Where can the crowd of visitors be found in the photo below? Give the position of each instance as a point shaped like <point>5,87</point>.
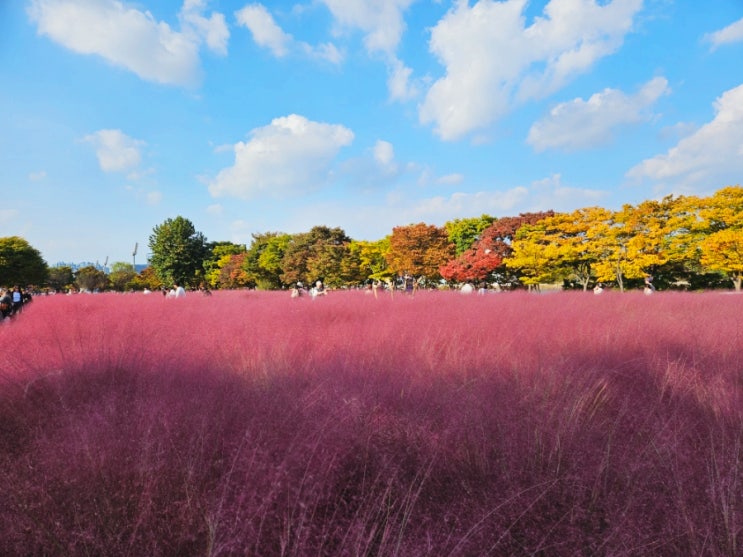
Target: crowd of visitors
<point>12,301</point>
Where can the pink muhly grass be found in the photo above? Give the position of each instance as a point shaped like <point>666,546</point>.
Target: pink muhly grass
<point>439,424</point>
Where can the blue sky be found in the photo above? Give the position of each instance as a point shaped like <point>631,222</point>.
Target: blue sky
<point>364,114</point>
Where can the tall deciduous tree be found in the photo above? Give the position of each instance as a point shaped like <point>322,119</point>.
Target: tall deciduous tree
<point>122,276</point>
<point>91,279</point>
<point>220,254</point>
<point>721,219</point>
<point>419,250</point>
<point>723,251</point>
<point>20,263</point>
<point>178,252</point>
<point>316,255</point>
<point>264,259</point>
<point>61,277</point>
<point>463,233</point>
<point>371,258</point>
<point>485,260</point>
<point>562,246</point>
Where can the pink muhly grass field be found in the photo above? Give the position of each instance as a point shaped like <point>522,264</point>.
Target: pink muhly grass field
<point>250,423</point>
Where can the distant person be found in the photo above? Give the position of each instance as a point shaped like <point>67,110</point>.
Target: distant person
<point>319,289</point>
<point>598,289</point>
<point>17,297</point>
<point>467,288</point>
<point>180,292</point>
<point>409,284</point>
<point>6,304</point>
<point>649,288</point>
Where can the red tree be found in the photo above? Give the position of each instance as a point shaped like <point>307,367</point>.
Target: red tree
<point>485,258</point>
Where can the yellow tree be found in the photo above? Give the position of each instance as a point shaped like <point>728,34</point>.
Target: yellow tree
<point>721,220</point>
<point>723,252</point>
<point>534,257</point>
<point>563,244</point>
<point>371,258</point>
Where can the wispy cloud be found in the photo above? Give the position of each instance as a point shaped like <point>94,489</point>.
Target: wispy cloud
<point>709,158</point>
<point>733,33</point>
<point>268,34</point>
<point>581,124</point>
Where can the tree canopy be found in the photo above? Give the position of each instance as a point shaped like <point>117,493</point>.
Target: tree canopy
<point>20,263</point>
<point>178,252</point>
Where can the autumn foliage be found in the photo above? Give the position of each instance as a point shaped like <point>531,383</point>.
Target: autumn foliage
<point>250,423</point>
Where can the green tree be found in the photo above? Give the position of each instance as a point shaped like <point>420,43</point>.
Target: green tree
<point>264,259</point>
<point>20,263</point>
<point>60,278</point>
<point>91,279</point>
<point>122,276</point>
<point>219,255</point>
<point>463,233</point>
<point>371,259</point>
<point>178,252</point>
<point>316,255</point>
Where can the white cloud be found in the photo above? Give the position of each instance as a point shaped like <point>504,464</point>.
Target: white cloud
<point>215,209</point>
<point>493,61</point>
<point>153,197</point>
<point>130,38</point>
<point>384,154</point>
<point>8,215</point>
<point>580,124</point>
<point>541,195</point>
<point>399,82</point>
<point>116,151</point>
<point>213,30</point>
<point>266,33</point>
<point>733,33</point>
<point>383,25</point>
<point>291,155</point>
<point>710,157</point>
<point>450,179</point>
<point>381,21</point>
<point>37,176</point>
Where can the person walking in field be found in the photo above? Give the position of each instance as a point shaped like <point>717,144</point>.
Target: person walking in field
<point>179,291</point>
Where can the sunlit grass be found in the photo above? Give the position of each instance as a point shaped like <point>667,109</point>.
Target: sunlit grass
<point>253,423</point>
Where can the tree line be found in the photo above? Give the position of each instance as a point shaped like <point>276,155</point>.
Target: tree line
<point>682,242</point>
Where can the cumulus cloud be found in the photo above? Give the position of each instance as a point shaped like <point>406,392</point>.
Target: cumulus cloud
<point>733,33</point>
<point>493,61</point>
<point>37,176</point>
<point>133,39</point>
<point>581,124</point>
<point>711,155</point>
<point>116,151</point>
<point>291,155</point>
